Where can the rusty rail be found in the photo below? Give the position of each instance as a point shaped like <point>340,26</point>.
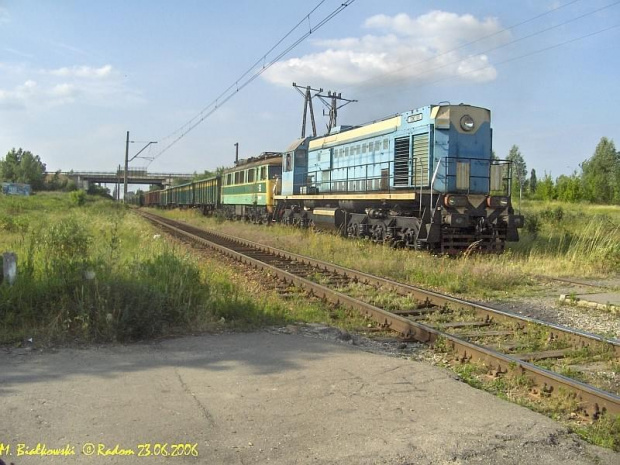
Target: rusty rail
<point>592,401</point>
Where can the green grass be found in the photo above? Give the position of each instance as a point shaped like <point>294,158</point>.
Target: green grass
<point>605,432</point>
<point>90,270</point>
<point>570,239</point>
<point>580,241</point>
<point>563,407</point>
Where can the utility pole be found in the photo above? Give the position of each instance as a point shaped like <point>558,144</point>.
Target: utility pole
<point>308,103</point>
<point>127,160</point>
<point>126,167</point>
<point>333,106</point>
<point>236,153</point>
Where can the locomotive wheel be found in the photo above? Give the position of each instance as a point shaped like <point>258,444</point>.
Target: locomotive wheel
<point>353,230</point>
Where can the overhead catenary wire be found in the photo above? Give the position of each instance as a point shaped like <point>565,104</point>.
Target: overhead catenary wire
<point>467,44</point>
<point>245,79</point>
<point>528,54</point>
<point>459,60</point>
<point>251,68</point>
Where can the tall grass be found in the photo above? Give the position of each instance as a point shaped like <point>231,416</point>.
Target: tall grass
<point>89,270</point>
<point>559,240</point>
<point>569,240</point>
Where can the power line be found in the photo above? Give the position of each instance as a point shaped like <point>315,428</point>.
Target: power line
<point>535,52</point>
<point>252,67</point>
<point>429,70</point>
<point>514,26</point>
<point>241,82</point>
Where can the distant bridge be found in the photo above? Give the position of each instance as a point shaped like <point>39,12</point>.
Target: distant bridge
<point>84,178</point>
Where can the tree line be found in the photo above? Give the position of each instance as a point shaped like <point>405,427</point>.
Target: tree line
<point>597,181</point>
<point>22,166</point>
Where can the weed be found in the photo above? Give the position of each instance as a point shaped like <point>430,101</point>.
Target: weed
<point>78,197</point>
<point>604,432</point>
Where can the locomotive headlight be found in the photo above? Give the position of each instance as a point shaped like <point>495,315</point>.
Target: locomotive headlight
<point>467,123</point>
<point>495,202</point>
<point>456,201</point>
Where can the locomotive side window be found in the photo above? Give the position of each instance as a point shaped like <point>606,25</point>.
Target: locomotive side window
<point>386,144</point>
<point>263,173</point>
<point>251,175</point>
<point>301,158</point>
<point>274,170</point>
<point>377,145</point>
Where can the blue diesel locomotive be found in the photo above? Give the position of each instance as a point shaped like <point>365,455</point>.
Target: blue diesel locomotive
<point>423,179</point>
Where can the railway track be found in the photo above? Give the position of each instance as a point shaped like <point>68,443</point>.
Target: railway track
<point>506,344</point>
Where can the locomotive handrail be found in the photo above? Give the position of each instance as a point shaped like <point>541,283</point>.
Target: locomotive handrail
<point>433,183</point>
<point>449,161</point>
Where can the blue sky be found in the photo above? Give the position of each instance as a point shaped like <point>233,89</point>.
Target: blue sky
<point>76,75</point>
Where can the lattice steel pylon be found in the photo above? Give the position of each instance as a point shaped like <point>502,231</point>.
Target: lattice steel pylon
<point>307,104</point>
<point>333,97</point>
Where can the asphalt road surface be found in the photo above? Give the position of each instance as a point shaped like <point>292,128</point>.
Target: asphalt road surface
<point>260,398</point>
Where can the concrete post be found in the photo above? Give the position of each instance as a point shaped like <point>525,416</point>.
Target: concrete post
<point>9,267</point>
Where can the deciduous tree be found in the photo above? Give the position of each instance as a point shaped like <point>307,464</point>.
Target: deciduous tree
<point>22,166</point>
<point>545,189</point>
<point>601,174</point>
<point>519,169</point>
<point>533,182</point>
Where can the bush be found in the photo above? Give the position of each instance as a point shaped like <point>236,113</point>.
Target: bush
<point>532,224</point>
<point>555,214</point>
<point>78,197</point>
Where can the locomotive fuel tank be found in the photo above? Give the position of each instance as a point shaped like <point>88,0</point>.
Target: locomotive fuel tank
<point>333,219</point>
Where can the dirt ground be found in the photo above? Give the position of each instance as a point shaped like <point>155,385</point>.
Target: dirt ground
<point>285,396</point>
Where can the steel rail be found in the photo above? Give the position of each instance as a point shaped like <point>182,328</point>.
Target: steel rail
<point>591,400</point>
<point>577,337</point>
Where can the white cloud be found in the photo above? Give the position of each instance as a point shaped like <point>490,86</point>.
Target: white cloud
<point>417,49</point>
<point>87,72</point>
<point>64,93</point>
<point>439,30</point>
<point>63,90</point>
<point>19,96</point>
<point>86,85</point>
